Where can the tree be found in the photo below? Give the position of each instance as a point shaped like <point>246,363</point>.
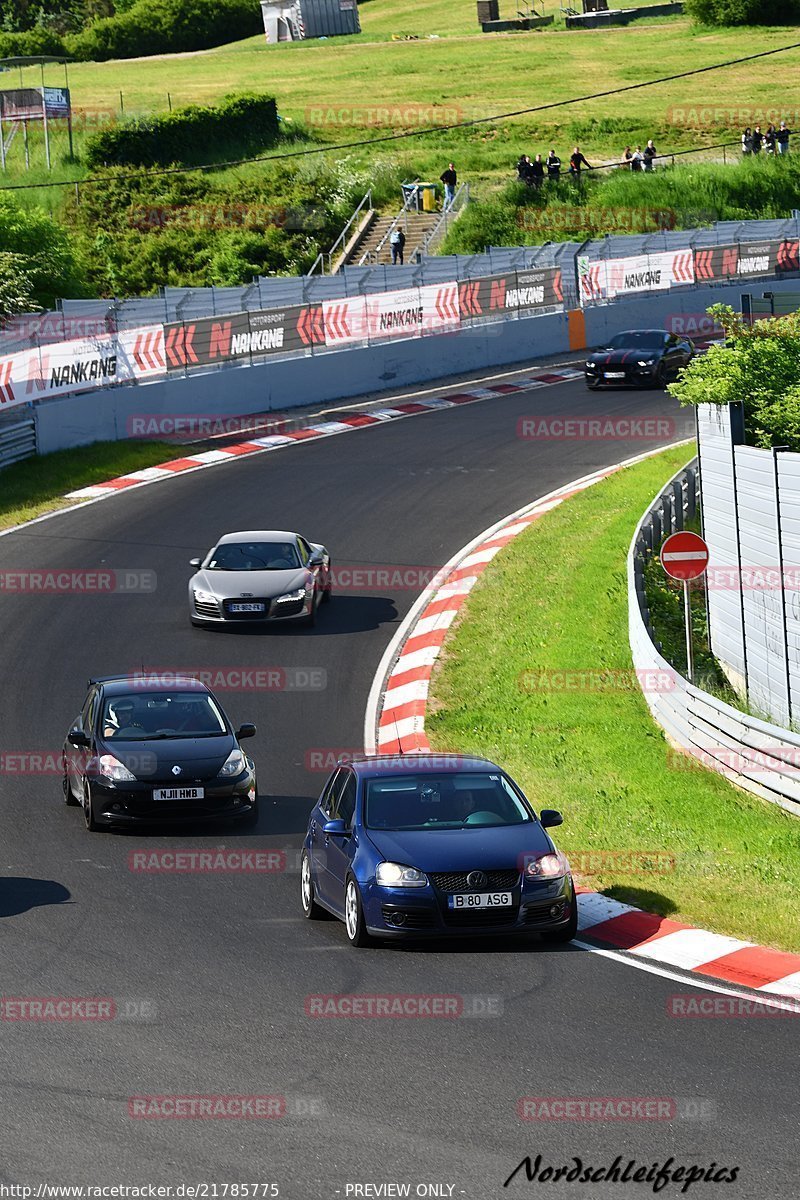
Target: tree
<point>758,365</point>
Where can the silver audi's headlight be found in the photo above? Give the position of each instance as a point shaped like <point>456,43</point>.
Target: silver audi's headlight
<point>204,597</point>
<point>299,594</point>
<point>391,874</point>
<point>234,764</point>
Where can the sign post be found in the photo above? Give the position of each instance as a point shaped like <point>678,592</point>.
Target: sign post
<point>684,556</point>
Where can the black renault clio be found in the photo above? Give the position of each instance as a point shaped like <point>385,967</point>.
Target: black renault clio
<point>147,749</point>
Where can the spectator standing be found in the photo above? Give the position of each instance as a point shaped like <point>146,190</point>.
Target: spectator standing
<point>397,241</point>
<point>782,139</point>
<point>537,171</point>
<point>627,156</point>
<point>758,139</point>
<point>450,180</point>
<point>637,162</point>
<point>522,168</point>
<point>553,165</point>
<point>747,141</point>
<point>576,161</point>
<point>650,153</point>
<point>769,139</point>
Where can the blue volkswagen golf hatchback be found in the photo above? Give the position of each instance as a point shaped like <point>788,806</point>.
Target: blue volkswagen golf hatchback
<point>434,846</point>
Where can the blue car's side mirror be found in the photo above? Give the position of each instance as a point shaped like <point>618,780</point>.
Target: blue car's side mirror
<point>335,828</point>
<point>550,817</point>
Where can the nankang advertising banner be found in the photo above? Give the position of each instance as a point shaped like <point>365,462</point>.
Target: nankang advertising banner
<point>603,279</point>
<point>515,291</point>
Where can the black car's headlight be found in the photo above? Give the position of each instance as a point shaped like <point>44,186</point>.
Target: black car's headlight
<point>111,768</point>
<point>546,866</point>
<point>234,764</point>
<point>591,365</point>
<point>390,874</point>
<point>646,362</point>
<point>288,597</point>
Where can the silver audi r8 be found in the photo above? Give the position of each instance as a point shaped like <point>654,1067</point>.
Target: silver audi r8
<point>260,575</point>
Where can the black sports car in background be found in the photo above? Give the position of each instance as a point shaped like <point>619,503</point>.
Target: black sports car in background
<point>639,358</point>
<point>150,750</point>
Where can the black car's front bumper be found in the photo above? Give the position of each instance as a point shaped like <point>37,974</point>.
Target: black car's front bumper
<point>622,375</point>
<point>133,803</point>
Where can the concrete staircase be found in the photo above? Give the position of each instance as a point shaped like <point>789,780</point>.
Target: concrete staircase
<point>415,225</point>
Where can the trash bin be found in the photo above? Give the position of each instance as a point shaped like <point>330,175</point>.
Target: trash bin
<point>411,196</point>
<point>428,193</point>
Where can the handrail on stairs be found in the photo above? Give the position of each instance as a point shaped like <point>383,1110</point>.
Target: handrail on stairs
<point>410,195</point>
<point>323,255</point>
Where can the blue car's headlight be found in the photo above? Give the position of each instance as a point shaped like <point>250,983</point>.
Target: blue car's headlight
<point>391,874</point>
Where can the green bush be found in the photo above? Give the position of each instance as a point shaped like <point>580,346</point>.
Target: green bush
<point>166,27</point>
<point>744,12</point>
<point>42,253</point>
<point>238,127</point>
<point>34,41</point>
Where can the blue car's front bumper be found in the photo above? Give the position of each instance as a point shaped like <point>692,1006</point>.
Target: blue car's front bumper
<point>538,907</point>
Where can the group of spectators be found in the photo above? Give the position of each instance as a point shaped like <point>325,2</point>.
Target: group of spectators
<point>534,173</point>
<point>774,141</point>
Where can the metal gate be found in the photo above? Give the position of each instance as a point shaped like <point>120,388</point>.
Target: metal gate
<point>17,435</point>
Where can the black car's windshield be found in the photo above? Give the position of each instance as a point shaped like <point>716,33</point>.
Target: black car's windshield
<point>138,717</point>
<point>642,339</point>
<point>253,556</point>
<point>446,801</point>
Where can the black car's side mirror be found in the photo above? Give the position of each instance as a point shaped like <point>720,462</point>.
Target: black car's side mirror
<point>316,560</point>
<point>194,562</point>
<point>245,731</point>
<point>76,737</point>
<point>549,817</point>
<point>335,828</point>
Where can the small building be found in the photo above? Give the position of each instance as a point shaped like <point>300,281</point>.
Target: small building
<point>295,20</point>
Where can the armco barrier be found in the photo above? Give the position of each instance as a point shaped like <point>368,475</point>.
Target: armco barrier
<point>758,756</point>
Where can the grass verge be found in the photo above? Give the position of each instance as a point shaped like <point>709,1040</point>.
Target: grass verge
<point>37,486</point>
<point>555,601</point>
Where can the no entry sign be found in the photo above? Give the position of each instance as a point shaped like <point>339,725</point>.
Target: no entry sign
<point>684,556</point>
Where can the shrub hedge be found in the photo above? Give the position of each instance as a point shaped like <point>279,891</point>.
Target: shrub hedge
<point>166,27</point>
<point>240,126</point>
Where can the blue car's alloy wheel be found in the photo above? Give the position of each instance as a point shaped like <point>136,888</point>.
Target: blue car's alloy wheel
<point>311,910</point>
<point>354,916</point>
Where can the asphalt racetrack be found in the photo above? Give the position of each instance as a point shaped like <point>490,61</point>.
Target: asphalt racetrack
<point>211,972</point>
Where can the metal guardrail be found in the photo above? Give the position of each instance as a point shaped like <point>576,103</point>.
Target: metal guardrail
<point>760,757</point>
<point>341,240</point>
<point>17,439</point>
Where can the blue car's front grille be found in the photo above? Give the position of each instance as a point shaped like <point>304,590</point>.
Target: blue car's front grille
<point>456,881</point>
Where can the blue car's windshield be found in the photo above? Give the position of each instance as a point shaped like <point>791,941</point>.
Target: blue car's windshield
<point>446,801</point>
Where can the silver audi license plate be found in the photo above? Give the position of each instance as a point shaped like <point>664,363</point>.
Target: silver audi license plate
<point>246,607</point>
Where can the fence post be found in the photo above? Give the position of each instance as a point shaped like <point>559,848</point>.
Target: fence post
<point>775,451</point>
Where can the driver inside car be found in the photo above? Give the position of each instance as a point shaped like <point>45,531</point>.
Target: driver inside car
<point>119,715</point>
